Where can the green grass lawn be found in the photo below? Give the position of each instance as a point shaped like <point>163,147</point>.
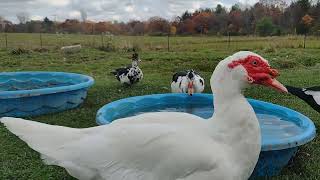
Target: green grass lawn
<point>298,67</point>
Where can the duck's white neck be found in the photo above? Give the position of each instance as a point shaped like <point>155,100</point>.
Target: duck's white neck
<point>135,63</point>
<point>226,85</point>
<point>234,122</point>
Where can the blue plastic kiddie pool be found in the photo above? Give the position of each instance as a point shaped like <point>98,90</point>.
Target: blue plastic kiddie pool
<point>283,129</point>
<point>34,93</point>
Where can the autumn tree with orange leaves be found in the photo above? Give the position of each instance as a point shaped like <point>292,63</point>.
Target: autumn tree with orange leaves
<point>299,17</point>
<point>306,21</point>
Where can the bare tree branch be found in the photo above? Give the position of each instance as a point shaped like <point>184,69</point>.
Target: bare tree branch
<point>23,17</point>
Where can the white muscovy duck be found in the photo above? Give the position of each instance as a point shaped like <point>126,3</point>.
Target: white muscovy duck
<point>165,145</point>
<point>131,74</point>
<point>310,95</point>
<point>187,82</point>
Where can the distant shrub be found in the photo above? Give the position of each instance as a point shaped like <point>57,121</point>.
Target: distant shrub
<point>19,51</point>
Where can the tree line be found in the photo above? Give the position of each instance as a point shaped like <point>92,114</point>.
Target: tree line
<point>265,18</point>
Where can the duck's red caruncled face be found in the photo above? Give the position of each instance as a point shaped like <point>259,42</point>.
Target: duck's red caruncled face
<point>259,72</point>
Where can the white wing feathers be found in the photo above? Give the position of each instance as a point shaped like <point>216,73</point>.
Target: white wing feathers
<point>315,95</point>
<point>122,150</point>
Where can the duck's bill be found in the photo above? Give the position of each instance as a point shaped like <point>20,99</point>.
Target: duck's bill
<point>272,82</point>
<point>190,88</point>
<point>190,91</point>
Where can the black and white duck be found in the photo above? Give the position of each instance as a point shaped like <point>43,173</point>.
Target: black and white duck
<point>131,74</point>
<point>187,82</point>
<point>310,95</point>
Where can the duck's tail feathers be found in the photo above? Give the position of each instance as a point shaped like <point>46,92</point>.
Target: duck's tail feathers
<point>41,137</point>
<point>52,142</point>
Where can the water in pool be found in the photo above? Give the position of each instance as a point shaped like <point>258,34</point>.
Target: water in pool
<point>29,85</point>
<point>271,126</point>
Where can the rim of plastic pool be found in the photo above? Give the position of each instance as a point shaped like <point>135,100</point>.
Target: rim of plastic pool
<point>89,81</point>
<point>309,130</point>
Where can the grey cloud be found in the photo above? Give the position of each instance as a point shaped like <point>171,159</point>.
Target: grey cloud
<point>123,10</point>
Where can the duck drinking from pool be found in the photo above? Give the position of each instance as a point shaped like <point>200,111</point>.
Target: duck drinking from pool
<point>187,82</point>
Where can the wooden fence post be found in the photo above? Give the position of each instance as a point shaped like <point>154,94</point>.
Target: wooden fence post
<point>6,37</point>
<point>304,40</point>
<point>102,43</point>
<point>229,39</point>
<point>168,42</point>
<point>41,40</point>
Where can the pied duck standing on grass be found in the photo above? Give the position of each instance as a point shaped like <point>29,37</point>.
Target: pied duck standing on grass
<point>131,74</point>
<point>310,95</point>
<point>187,82</point>
<point>165,145</point>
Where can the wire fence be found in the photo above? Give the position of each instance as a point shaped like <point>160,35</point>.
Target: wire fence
<point>156,43</point>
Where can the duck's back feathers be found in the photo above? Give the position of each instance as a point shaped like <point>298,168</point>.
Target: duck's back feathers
<point>178,74</point>
<point>128,75</point>
<point>199,84</point>
<point>315,88</point>
<point>120,72</point>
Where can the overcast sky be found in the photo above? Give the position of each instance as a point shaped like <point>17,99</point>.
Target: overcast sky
<point>121,10</point>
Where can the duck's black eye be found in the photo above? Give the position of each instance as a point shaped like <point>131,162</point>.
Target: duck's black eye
<point>254,63</point>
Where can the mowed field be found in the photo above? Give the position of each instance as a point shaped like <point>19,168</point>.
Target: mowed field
<point>298,67</point>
